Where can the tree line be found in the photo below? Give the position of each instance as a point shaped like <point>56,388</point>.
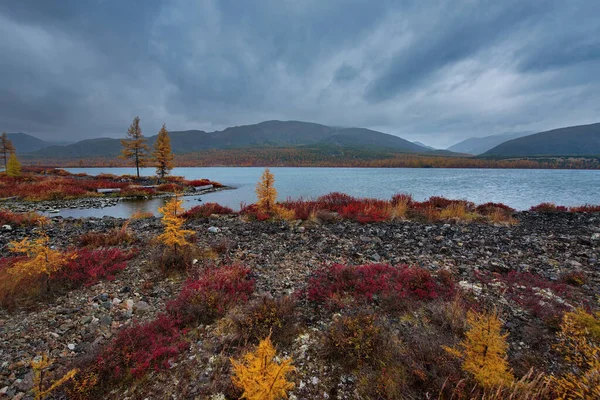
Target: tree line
<point>135,148</point>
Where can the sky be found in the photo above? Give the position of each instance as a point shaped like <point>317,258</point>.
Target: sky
<point>436,71</point>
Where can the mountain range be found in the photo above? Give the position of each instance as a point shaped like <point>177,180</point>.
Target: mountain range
<point>264,134</point>
<point>479,145</point>
<point>581,140</point>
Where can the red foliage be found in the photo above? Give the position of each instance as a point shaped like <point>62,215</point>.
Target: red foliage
<point>210,295</point>
<point>19,219</point>
<point>532,292</point>
<point>334,201</point>
<point>585,208</point>
<point>198,182</point>
<point>254,212</point>
<point>548,208</point>
<point>402,198</point>
<point>139,348</point>
<point>303,209</point>
<point>366,211</point>
<point>90,266</point>
<point>169,187</point>
<point>365,283</point>
<point>490,208</point>
<point>206,210</point>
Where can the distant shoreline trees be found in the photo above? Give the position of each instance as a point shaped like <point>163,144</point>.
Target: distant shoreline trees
<point>162,153</point>
<point>135,147</point>
<point>6,149</point>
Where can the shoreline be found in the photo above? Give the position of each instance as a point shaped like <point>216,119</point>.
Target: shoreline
<point>48,206</point>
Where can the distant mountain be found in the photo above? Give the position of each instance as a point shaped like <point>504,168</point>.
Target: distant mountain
<point>424,145</point>
<point>264,134</point>
<point>25,143</point>
<point>582,140</point>
<point>479,145</point>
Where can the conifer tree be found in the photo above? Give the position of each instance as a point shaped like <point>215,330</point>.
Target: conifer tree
<point>162,153</point>
<point>13,167</point>
<point>260,376</point>
<point>6,148</point>
<point>484,350</point>
<point>265,191</point>
<point>174,234</point>
<point>135,147</point>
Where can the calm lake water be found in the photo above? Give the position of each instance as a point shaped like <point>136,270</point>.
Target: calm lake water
<point>518,188</point>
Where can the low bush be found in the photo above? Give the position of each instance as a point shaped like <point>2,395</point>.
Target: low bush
<point>548,208</point>
<point>264,316</point>
<point>20,219</point>
<point>585,208</point>
<point>117,237</point>
<point>91,266</point>
<point>206,210</point>
<point>211,294</point>
<point>254,213</point>
<point>391,287</point>
<point>140,348</point>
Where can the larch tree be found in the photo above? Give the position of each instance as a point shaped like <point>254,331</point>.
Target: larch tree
<point>174,235</point>
<point>484,350</point>
<point>135,147</point>
<point>265,191</point>
<point>261,375</point>
<point>6,148</point>
<point>162,153</point>
<point>13,168</point>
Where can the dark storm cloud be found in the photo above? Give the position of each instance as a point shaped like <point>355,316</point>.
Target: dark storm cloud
<point>435,71</point>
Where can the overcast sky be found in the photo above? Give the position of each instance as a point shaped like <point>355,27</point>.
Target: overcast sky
<point>434,71</point>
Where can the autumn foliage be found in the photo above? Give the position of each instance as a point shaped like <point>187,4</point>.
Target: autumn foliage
<point>174,235</point>
<point>484,350</point>
<point>260,375</point>
<point>163,156</point>
<point>135,147</point>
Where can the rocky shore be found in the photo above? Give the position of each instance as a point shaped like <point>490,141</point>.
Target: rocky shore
<point>281,257</point>
<point>54,206</point>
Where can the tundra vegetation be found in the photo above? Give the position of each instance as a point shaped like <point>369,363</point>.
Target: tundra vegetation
<point>218,330</point>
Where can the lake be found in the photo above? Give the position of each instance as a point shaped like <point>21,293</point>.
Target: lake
<point>517,188</point>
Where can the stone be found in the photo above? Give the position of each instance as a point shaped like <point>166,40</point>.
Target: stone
<point>214,229</point>
<point>142,306</point>
<point>71,346</point>
<point>7,227</point>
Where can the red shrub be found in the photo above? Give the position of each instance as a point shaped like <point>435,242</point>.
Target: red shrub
<point>253,212</point>
<point>139,348</point>
<point>198,182</point>
<point>206,210</point>
<point>90,266</point>
<point>19,219</point>
<point>532,292</point>
<point>366,211</point>
<point>334,201</point>
<point>585,208</point>
<point>366,283</point>
<point>548,208</point>
<point>402,198</point>
<point>169,187</point>
<point>490,208</point>
<point>133,191</point>
<point>212,294</point>
<point>303,209</point>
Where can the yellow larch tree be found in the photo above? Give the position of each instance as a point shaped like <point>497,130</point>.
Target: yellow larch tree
<point>265,191</point>
<point>579,342</point>
<point>135,147</point>
<point>41,260</point>
<point>162,153</point>
<point>13,167</point>
<point>6,148</point>
<point>484,350</point>
<point>174,235</point>
<point>260,376</point>
<point>39,367</point>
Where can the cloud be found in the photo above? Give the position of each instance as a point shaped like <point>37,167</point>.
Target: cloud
<point>434,71</point>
